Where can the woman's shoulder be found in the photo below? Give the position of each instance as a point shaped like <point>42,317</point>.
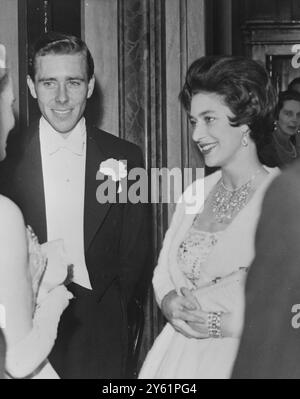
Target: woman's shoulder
<point>13,241</point>
<point>10,214</point>
<point>8,206</point>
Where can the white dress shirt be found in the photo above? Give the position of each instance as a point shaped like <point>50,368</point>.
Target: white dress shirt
<point>63,164</point>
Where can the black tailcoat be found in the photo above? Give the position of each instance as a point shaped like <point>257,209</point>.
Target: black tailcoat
<point>93,333</point>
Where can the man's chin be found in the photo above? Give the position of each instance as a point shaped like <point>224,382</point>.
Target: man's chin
<point>63,129</point>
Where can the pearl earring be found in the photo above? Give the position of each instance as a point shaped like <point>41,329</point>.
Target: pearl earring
<point>244,141</point>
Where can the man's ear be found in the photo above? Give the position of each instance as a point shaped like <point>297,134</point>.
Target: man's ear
<point>91,86</point>
<point>31,87</point>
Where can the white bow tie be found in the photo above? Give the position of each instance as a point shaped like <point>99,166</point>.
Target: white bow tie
<point>54,141</point>
<point>76,146</point>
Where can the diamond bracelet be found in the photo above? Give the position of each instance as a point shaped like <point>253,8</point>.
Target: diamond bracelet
<point>214,324</point>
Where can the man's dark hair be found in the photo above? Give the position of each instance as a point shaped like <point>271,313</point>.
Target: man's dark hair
<point>59,43</point>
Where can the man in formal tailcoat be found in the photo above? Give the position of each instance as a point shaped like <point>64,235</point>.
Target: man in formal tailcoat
<point>57,184</point>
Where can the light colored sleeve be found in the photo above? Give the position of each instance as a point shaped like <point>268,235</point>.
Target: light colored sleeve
<point>162,281</point>
<point>30,354</point>
<point>30,328</point>
<point>16,296</point>
<point>189,203</point>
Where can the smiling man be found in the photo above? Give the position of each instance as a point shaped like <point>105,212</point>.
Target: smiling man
<point>55,186</point>
<point>61,84</point>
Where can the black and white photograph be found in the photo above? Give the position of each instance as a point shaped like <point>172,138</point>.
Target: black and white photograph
<point>149,192</point>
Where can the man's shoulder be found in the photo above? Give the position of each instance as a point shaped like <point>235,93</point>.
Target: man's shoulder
<point>292,170</point>
<point>286,187</point>
<point>118,146</point>
<point>10,213</point>
<point>290,176</point>
<point>31,130</point>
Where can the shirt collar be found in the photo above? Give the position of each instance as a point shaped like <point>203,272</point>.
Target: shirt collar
<point>53,140</point>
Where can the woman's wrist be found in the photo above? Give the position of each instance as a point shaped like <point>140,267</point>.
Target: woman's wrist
<point>225,325</point>
<point>219,324</point>
<point>230,326</point>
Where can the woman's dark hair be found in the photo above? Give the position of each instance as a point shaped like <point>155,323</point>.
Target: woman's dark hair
<point>245,87</point>
<point>59,43</point>
<point>286,96</point>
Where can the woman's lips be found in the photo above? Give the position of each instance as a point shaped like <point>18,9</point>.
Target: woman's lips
<point>206,148</point>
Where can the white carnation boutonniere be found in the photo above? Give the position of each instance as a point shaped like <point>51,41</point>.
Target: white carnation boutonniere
<point>117,170</point>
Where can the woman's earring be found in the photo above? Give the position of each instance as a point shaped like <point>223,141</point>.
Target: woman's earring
<point>298,130</point>
<point>245,140</point>
<point>275,126</point>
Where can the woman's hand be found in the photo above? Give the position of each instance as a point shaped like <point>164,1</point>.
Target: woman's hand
<point>57,267</point>
<point>180,312</point>
<point>29,354</point>
<point>201,324</point>
<point>231,322</point>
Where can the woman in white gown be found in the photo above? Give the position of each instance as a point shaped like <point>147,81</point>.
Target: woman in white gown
<point>199,279</point>
<point>32,294</point>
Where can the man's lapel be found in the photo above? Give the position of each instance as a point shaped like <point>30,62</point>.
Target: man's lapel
<point>30,181</point>
<point>94,212</point>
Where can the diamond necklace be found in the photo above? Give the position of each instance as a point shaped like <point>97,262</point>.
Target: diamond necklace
<point>226,202</point>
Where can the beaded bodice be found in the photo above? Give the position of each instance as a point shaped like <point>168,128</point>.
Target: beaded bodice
<point>193,252</point>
